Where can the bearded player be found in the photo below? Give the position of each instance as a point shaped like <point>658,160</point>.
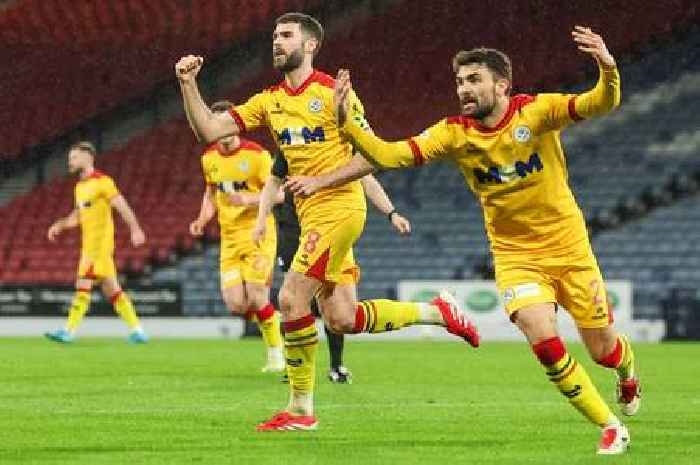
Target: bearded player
<point>509,151</point>
<point>299,114</point>
<point>95,196</point>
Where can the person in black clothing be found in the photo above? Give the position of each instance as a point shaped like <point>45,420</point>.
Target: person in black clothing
<point>288,232</point>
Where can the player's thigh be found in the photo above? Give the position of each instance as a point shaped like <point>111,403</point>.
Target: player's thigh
<point>324,246</point>
<point>523,283</point>
<point>231,263</point>
<point>110,286</point>
<point>582,293</point>
<point>537,322</point>
<point>258,262</point>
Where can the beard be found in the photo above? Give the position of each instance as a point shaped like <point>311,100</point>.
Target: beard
<point>484,107</point>
<point>291,62</point>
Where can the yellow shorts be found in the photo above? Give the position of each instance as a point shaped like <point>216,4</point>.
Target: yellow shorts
<point>243,261</point>
<point>325,248</point>
<point>574,281</point>
<point>96,269</point>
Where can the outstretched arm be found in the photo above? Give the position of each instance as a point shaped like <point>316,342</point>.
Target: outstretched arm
<point>206,126</point>
<point>379,198</point>
<point>304,186</point>
<point>61,224</point>
<point>120,204</point>
<point>381,153</point>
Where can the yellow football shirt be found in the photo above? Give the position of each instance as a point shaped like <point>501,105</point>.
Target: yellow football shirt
<point>92,199</point>
<point>245,170</point>
<point>517,169</point>
<point>303,124</point>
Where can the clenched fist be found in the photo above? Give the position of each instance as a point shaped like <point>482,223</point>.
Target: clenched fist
<point>188,67</point>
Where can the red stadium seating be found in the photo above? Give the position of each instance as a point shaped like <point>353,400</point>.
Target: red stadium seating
<point>402,74</point>
<point>73,60</point>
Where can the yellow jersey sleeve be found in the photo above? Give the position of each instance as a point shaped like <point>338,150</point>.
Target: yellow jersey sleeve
<point>431,144</point>
<point>206,171</point>
<point>108,188</point>
<point>560,110</point>
<point>252,114</point>
<point>265,167</point>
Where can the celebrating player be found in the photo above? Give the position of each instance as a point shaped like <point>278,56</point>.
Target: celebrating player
<point>235,170</point>
<point>299,114</point>
<point>95,196</point>
<point>289,231</point>
<point>509,151</point>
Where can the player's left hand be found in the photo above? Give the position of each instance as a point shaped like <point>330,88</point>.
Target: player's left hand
<point>593,44</point>
<point>138,238</point>
<point>341,94</point>
<point>303,186</point>
<point>401,224</point>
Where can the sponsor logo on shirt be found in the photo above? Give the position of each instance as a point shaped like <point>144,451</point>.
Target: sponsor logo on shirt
<point>301,136</point>
<point>504,174</point>
<point>230,187</point>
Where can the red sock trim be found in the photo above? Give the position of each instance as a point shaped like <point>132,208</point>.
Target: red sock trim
<point>249,315</point>
<point>301,323</point>
<point>549,351</point>
<point>83,289</point>
<point>359,319</point>
<point>115,297</point>
<point>613,359</point>
<point>266,313</point>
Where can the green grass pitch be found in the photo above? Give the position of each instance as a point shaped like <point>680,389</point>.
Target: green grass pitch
<point>101,401</point>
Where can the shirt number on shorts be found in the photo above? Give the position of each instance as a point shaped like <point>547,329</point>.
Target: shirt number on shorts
<point>311,241</point>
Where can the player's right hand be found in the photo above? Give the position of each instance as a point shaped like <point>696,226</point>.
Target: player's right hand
<point>258,233</point>
<point>53,232</point>
<point>341,100</point>
<point>197,228</point>
<point>188,67</point>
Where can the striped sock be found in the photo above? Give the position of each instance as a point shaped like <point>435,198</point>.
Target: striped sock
<point>573,381</point>
<point>378,316</point>
<point>301,344</point>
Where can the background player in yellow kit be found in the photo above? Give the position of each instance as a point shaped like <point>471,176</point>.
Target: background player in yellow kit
<point>95,196</point>
<point>235,170</point>
<point>299,113</point>
<point>509,152</point>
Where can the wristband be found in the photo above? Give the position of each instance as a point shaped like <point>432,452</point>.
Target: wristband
<point>392,212</point>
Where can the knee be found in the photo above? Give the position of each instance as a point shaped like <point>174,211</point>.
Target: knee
<point>257,299</point>
<point>235,304</point>
<point>340,324</point>
<point>285,300</point>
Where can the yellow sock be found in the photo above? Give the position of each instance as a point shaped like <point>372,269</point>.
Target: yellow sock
<point>626,368</point>
<point>301,343</point>
<point>573,381</point>
<point>269,323</point>
<point>78,309</point>
<point>377,316</point>
<point>125,309</point>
